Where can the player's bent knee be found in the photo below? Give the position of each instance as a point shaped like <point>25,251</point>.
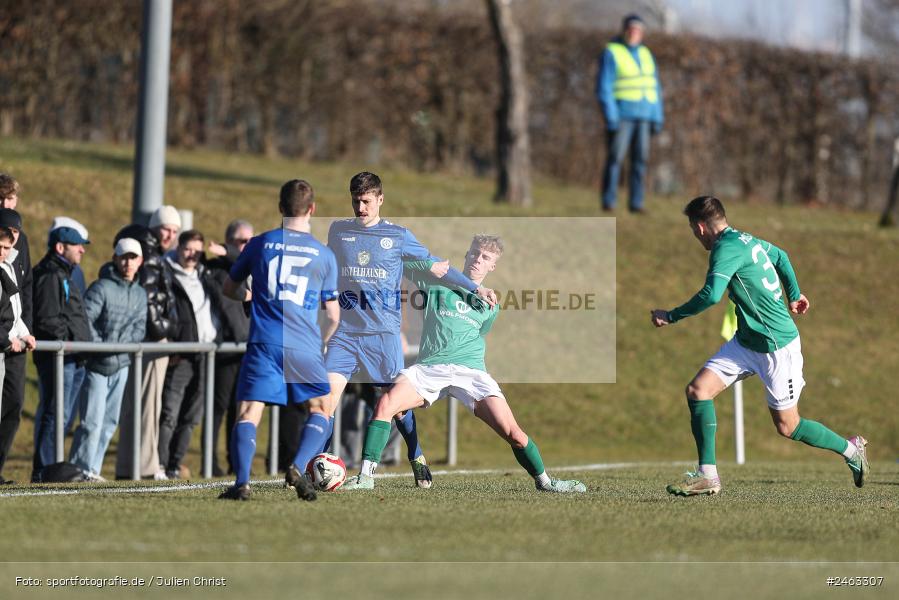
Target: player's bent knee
<point>318,405</point>
<point>785,429</point>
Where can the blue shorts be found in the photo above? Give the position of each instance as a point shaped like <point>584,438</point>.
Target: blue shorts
<point>277,375</point>
<point>378,356</point>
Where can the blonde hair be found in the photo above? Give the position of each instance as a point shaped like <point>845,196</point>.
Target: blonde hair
<point>493,243</point>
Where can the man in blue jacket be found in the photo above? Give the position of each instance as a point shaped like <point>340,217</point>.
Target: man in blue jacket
<point>630,98</point>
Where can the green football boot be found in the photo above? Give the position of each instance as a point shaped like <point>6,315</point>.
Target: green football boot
<point>563,486</point>
<point>695,484</point>
<point>359,482</point>
<point>858,464</point>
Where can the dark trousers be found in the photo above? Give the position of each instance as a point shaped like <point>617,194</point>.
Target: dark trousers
<point>13,400</point>
<point>182,408</point>
<point>224,405</point>
<point>290,426</point>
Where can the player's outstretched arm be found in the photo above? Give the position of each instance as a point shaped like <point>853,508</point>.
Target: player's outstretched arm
<point>800,306</point>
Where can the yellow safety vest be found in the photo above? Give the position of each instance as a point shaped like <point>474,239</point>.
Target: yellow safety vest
<point>634,82</point>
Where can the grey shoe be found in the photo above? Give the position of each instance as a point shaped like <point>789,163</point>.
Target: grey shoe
<point>359,482</point>
<point>695,484</point>
<point>563,486</point>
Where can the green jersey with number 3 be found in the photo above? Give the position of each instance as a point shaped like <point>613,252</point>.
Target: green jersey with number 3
<point>757,274</point>
<point>455,321</point>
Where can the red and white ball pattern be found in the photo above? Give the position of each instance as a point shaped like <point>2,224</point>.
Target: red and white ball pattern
<point>327,472</point>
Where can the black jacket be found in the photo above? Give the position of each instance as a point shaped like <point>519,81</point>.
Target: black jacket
<point>156,278</point>
<point>235,322</point>
<point>187,320</point>
<point>24,277</point>
<point>7,316</point>
<point>58,307</point>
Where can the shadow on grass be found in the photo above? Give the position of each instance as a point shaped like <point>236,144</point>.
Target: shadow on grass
<point>115,162</point>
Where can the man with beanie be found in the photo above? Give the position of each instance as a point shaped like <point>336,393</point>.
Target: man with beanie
<point>58,315</point>
<point>77,272</point>
<point>156,278</point>
<point>630,97</point>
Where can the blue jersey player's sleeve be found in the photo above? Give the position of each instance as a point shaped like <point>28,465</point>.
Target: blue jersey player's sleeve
<point>243,266</point>
<point>413,250</point>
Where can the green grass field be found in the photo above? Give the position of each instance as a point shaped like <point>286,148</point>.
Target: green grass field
<point>790,503</point>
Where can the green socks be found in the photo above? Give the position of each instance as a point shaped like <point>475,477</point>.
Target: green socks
<point>704,425</point>
<point>817,435</point>
<point>529,458</point>
<point>375,440</point>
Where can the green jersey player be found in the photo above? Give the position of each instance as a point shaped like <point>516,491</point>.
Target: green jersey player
<point>451,362</point>
<point>759,278</point>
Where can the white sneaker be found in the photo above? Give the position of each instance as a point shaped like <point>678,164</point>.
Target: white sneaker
<point>96,477</point>
<point>160,475</point>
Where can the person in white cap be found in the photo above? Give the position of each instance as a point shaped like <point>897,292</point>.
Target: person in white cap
<point>162,322</point>
<point>116,306</point>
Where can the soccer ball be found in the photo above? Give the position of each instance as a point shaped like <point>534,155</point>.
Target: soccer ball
<point>327,472</point>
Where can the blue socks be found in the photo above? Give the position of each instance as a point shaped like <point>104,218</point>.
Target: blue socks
<point>406,427</point>
<point>243,447</point>
<point>316,433</point>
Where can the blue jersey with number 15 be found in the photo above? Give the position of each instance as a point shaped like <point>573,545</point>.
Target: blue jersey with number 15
<point>292,274</point>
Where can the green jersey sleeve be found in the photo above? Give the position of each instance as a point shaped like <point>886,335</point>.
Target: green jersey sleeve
<point>488,324</point>
<point>724,261</point>
<point>784,269</point>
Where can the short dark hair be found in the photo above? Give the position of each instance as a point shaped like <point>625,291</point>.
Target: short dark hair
<point>6,234</point>
<point>8,186</point>
<point>297,198</point>
<point>705,209</point>
<point>365,182</point>
<point>191,235</point>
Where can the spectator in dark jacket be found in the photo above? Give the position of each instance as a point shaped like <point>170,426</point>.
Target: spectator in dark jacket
<point>58,315</point>
<point>20,338</point>
<point>162,322</point>
<point>116,307</point>
<point>14,382</point>
<point>235,328</point>
<point>199,321</point>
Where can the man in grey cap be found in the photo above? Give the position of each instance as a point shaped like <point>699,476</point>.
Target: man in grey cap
<point>58,315</point>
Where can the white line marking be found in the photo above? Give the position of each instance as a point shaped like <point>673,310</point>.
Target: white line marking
<point>150,489</point>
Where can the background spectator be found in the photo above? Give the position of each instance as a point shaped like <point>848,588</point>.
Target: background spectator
<point>198,321</point>
<point>58,315</point>
<point>20,340</point>
<point>235,327</point>
<point>156,279</point>
<point>630,98</point>
<point>116,307</point>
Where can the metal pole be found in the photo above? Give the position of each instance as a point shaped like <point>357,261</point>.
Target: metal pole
<point>137,364</point>
<point>149,164</point>
<point>274,418</point>
<point>207,416</point>
<point>59,377</point>
<point>738,423</point>
<point>452,430</point>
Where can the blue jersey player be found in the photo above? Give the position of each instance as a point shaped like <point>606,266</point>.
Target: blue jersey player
<point>370,252</point>
<point>293,275</point>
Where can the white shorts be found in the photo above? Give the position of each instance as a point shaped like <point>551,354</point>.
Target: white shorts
<point>469,386</point>
<point>780,371</point>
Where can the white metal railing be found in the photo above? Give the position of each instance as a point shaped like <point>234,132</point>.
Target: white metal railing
<point>137,352</point>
